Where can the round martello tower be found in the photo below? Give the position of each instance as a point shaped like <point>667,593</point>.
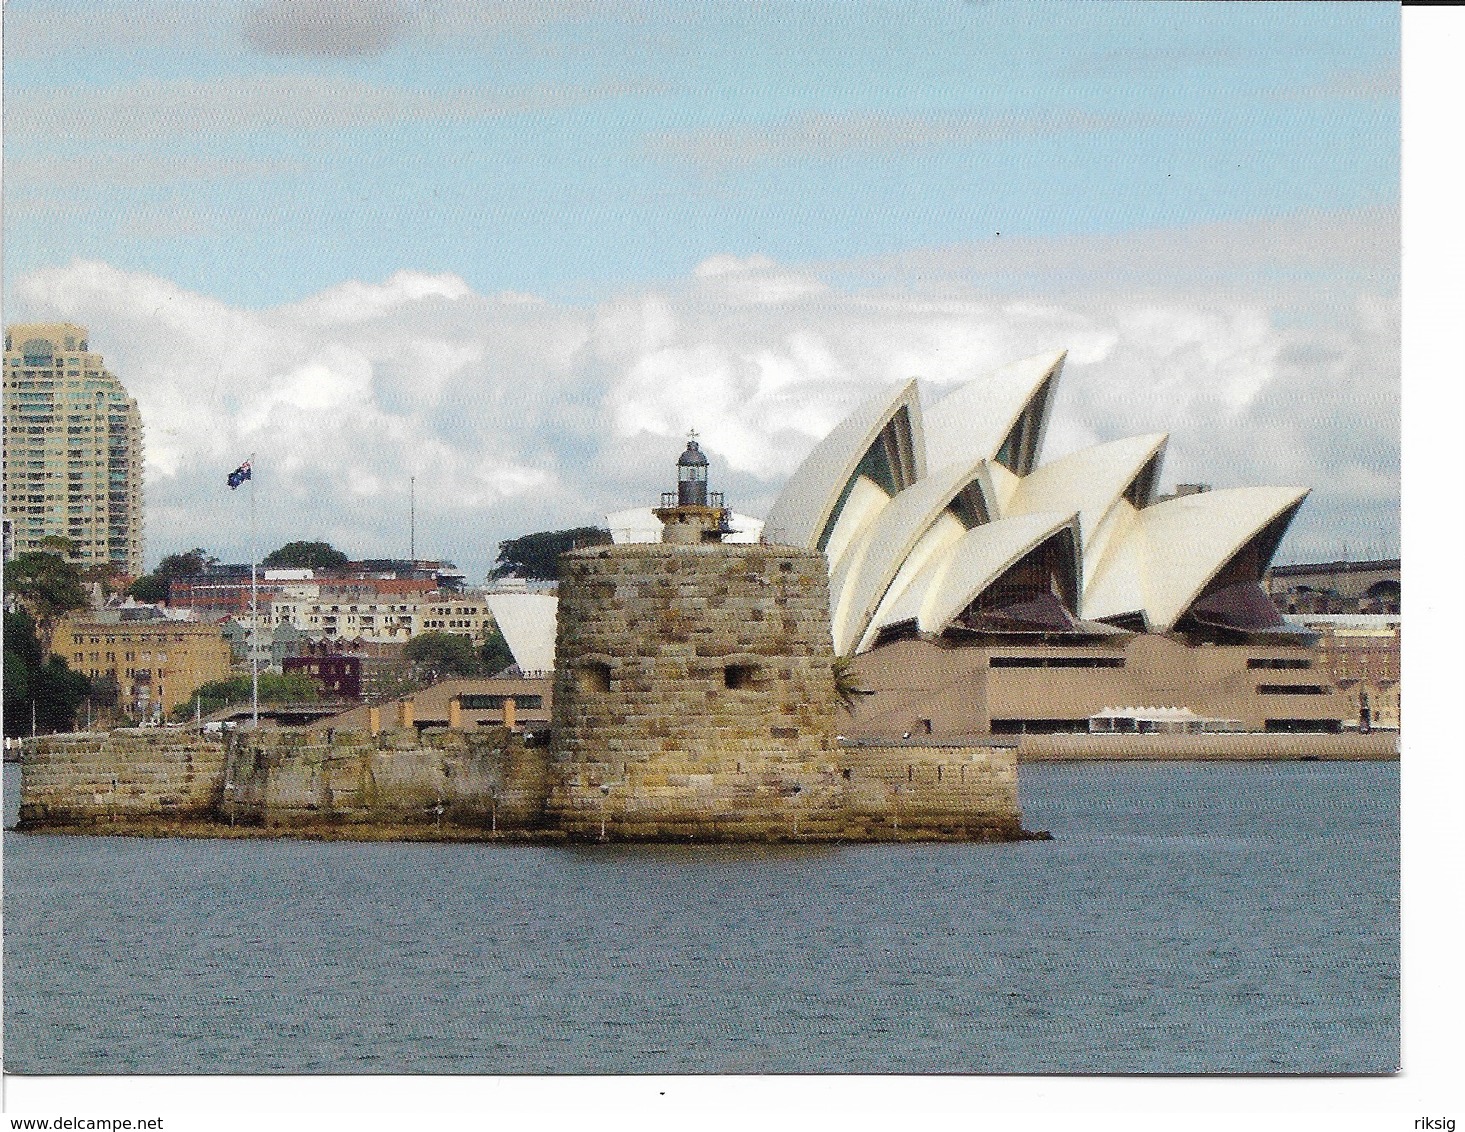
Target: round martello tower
<point>694,692</point>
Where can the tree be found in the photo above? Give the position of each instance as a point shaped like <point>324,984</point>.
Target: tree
<point>47,587</point>
<point>495,653</point>
<point>154,587</point>
<point>537,555</point>
<point>316,555</point>
<point>274,688</point>
<point>34,681</point>
<point>106,692</point>
<point>103,574</point>
<point>436,655</point>
<point>847,683</point>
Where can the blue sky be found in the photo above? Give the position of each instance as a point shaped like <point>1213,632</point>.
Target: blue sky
<point>475,242</point>
<point>571,154</point>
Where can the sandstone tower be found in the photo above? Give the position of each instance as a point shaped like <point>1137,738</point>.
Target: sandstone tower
<point>694,691</point>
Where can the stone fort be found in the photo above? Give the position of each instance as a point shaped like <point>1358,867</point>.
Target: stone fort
<point>695,699</point>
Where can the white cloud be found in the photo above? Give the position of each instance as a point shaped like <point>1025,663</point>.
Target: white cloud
<point>321,28</point>
<point>516,414</point>
<point>1381,82</point>
<point>822,136</point>
<point>137,170</point>
<point>152,109</point>
<point>328,27</point>
<point>1308,251</point>
<point>346,28</point>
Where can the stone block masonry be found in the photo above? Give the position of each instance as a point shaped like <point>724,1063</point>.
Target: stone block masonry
<point>956,789</point>
<point>487,782</point>
<point>483,779</point>
<point>694,690</point>
<point>121,774</point>
<point>695,699</point>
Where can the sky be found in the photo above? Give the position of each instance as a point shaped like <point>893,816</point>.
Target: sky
<point>515,251</point>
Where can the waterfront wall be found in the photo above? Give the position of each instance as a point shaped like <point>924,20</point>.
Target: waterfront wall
<point>487,778</point>
<point>121,774</point>
<point>963,789</point>
<point>1379,746</point>
<point>859,792</point>
<point>694,692</point>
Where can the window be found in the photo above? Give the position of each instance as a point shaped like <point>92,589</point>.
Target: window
<point>1038,726</point>
<point>1292,690</point>
<point>1304,726</point>
<point>474,702</point>
<point>593,677</point>
<point>740,676</point>
<point>1278,662</point>
<point>1056,662</point>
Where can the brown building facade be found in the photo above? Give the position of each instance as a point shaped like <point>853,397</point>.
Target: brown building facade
<point>934,687</point>
<point>157,664</point>
<point>1361,655</point>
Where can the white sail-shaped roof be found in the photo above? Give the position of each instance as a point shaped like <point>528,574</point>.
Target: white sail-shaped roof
<point>916,518</point>
<point>1114,585</point>
<point>974,421</point>
<point>635,524</point>
<point>1177,547</point>
<point>904,544</point>
<point>1092,481</point>
<point>805,510</point>
<point>951,582</point>
<point>527,622</point>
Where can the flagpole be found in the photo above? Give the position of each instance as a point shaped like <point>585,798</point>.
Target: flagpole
<point>253,607</point>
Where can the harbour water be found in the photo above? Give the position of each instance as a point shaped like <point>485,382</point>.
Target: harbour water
<point>1187,918</point>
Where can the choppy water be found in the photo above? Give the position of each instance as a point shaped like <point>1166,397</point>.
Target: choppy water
<point>1190,917</point>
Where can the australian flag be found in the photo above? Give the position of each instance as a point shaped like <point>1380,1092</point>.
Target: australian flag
<point>239,475</point>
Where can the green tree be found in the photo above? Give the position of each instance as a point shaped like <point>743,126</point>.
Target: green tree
<point>36,681</point>
<point>154,587</point>
<point>435,655</point>
<point>537,555</point>
<point>106,691</point>
<point>847,684</point>
<point>317,555</point>
<point>274,688</point>
<point>495,652</point>
<point>47,587</point>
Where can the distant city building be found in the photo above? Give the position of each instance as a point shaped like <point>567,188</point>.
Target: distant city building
<point>377,601</point>
<point>1369,587</point>
<point>519,703</point>
<point>339,676</point>
<point>381,619</point>
<point>73,449</point>
<point>157,663</point>
<point>1360,654</point>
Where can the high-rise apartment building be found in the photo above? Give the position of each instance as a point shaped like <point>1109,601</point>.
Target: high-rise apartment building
<point>73,449</point>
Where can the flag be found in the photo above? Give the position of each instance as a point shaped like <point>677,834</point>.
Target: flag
<point>239,475</point>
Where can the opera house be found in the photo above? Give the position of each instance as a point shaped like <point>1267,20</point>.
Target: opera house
<point>981,590</point>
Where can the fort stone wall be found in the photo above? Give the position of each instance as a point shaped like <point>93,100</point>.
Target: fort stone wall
<point>694,690</point>
<point>486,778</point>
<point>694,699</point>
<point>130,773</point>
